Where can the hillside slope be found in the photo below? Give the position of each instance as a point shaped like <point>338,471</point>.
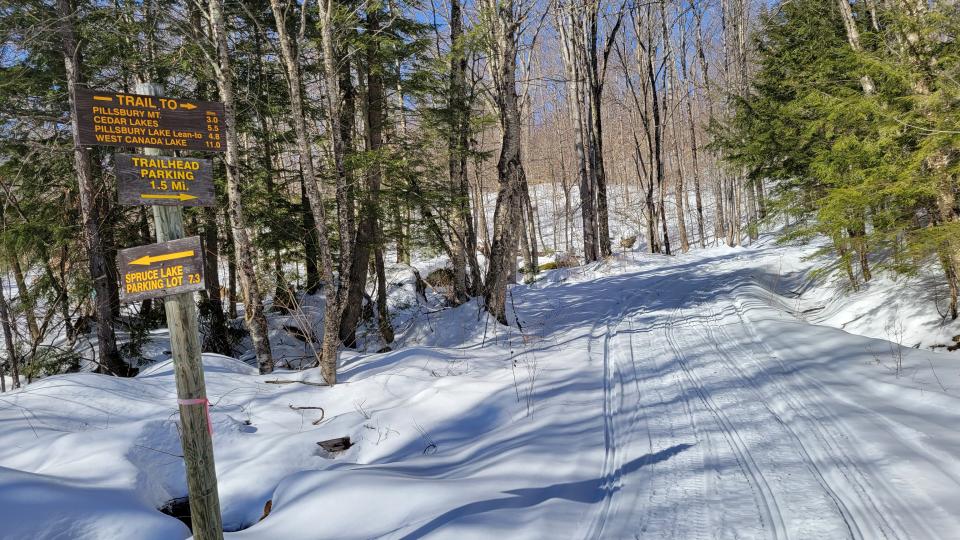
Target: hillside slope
<point>641,397</point>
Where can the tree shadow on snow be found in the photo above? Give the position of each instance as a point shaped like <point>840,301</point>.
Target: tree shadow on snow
<point>585,491</point>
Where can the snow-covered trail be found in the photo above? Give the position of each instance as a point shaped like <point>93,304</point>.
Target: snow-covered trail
<point>727,417</point>
<point>644,397</point>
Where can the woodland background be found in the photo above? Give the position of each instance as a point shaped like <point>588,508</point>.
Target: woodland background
<point>364,134</point>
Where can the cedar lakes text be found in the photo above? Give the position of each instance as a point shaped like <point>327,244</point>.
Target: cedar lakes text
<point>136,128</point>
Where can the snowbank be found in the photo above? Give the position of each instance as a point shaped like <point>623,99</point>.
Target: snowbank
<point>665,397</point>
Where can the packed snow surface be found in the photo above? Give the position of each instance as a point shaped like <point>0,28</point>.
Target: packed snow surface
<point>641,397</point>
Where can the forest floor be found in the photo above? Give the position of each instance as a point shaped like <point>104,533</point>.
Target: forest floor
<point>642,397</point>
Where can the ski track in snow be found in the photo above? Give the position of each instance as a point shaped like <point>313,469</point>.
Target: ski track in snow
<point>767,431</point>
<point>680,399</point>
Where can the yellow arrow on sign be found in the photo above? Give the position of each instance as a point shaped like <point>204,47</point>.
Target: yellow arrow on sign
<point>147,260</point>
<point>178,196</point>
<point>102,98</point>
<point>188,106</point>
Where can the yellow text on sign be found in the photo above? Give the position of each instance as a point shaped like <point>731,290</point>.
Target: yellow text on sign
<point>160,278</point>
<point>148,102</point>
<point>165,169</point>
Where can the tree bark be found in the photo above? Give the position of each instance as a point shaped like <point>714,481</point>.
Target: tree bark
<point>531,232</point>
<point>463,234</point>
<point>657,110</point>
<point>858,239</point>
<point>571,50</point>
<point>734,20</point>
<point>310,241</point>
<point>368,231</point>
<point>245,255</point>
<point>402,213</point>
<point>733,212</point>
<point>108,354</point>
<point>719,218</point>
<point>689,89</point>
<point>853,37</point>
<point>510,173</point>
<point>761,198</point>
<point>672,101</point>
<point>596,71</point>
<point>217,341</point>
<point>529,268</point>
<point>480,208</point>
<point>600,176</point>
<point>383,312</point>
<point>843,254</point>
<point>647,107</point>
<point>950,275</point>
<point>23,295</point>
<point>336,293</point>
<point>336,296</point>
<point>701,233</point>
<point>9,345</point>
<point>456,154</point>
<point>231,266</point>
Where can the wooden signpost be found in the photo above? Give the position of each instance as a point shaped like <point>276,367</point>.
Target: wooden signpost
<point>172,268</point>
<point>147,121</point>
<point>165,181</point>
<point>160,270</point>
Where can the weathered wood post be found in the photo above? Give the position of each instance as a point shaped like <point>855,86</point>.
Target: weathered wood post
<point>196,432</point>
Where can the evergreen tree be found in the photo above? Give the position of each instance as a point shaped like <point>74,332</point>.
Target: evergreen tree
<point>872,167</point>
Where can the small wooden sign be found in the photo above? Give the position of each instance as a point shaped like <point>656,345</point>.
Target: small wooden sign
<point>166,181</point>
<point>162,269</point>
<point>115,119</point>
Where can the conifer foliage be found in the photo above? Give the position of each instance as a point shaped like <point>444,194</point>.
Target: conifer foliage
<point>852,115</point>
<point>493,133</point>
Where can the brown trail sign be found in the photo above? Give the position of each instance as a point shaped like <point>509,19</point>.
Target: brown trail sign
<point>163,269</point>
<point>172,268</point>
<point>114,119</point>
<point>166,181</point>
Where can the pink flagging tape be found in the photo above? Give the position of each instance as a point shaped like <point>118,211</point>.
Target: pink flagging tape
<point>199,401</point>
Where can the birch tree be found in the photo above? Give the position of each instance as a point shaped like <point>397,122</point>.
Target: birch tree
<point>336,296</point>
<point>503,19</point>
<point>335,290</point>
<point>597,55</point>
<point>569,23</point>
<point>244,253</point>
